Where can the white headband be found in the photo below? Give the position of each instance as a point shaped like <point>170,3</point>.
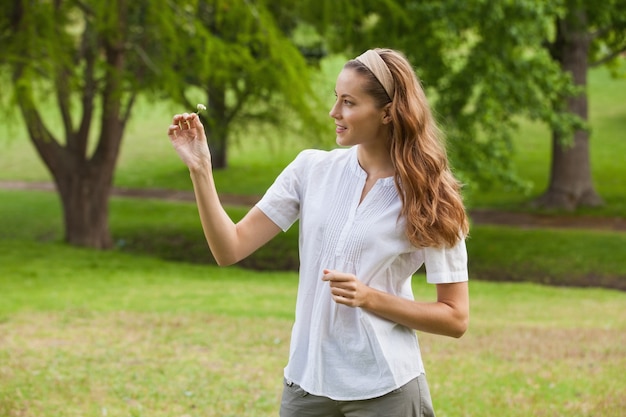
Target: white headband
<point>377,66</point>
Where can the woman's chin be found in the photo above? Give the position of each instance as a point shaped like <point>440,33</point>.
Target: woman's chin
<point>341,141</point>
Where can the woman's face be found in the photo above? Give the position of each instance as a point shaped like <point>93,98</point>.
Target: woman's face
<point>357,119</point>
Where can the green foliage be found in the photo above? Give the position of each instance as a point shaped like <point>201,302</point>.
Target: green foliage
<point>485,61</point>
<point>608,29</point>
<point>239,56</point>
<point>91,60</point>
<point>54,42</point>
<point>532,154</point>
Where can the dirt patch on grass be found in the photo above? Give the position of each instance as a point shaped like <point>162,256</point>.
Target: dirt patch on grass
<point>478,216</point>
<point>532,220</point>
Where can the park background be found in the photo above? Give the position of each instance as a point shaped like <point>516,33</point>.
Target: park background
<point>151,327</point>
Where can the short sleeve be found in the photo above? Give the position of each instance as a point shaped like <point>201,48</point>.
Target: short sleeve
<point>281,202</point>
<point>446,265</point>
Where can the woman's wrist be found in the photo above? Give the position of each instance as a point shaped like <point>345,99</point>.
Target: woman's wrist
<point>200,168</point>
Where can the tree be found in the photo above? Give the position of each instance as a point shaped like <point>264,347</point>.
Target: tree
<point>587,34</point>
<point>486,65</point>
<point>83,63</point>
<point>247,67</point>
<point>479,60</point>
<point>87,60</point>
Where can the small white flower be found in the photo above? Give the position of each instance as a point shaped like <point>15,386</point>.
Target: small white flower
<point>200,107</point>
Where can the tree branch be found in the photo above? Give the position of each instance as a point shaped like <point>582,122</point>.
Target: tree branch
<point>87,52</point>
<point>46,144</point>
<point>600,32</point>
<point>63,100</point>
<point>126,112</point>
<point>241,98</point>
<point>63,93</point>
<point>607,58</point>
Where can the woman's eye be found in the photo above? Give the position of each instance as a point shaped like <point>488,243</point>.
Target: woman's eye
<point>347,102</point>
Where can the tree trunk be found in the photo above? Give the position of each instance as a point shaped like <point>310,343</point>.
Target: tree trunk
<point>216,126</point>
<point>84,185</point>
<point>85,199</point>
<point>84,182</point>
<point>571,183</point>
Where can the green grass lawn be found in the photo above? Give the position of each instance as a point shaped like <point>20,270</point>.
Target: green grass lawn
<point>84,332</point>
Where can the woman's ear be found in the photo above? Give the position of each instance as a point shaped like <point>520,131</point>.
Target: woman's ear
<point>387,114</point>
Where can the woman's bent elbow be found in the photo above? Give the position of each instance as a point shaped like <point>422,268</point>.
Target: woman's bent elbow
<point>460,327</point>
<point>225,260</point>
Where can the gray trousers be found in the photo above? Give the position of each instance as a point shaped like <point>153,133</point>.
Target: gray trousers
<point>410,400</point>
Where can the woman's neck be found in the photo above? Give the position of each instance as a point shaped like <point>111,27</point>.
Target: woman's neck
<point>375,161</point>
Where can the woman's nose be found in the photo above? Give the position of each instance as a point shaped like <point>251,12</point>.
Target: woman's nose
<point>333,112</point>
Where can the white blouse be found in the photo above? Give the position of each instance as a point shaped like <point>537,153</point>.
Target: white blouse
<point>337,351</point>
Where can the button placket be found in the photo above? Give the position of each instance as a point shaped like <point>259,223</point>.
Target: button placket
<point>356,207</point>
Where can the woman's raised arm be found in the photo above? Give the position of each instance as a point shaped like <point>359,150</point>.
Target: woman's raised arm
<point>229,242</point>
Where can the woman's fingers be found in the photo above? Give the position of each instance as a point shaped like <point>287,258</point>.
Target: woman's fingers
<point>185,121</point>
<point>340,283</point>
<point>182,123</point>
<point>335,276</point>
<point>346,288</point>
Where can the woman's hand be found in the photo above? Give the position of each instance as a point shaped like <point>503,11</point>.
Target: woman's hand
<point>189,139</point>
<point>448,316</point>
<point>346,288</point>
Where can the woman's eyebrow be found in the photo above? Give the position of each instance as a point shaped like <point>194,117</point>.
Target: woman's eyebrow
<point>344,95</point>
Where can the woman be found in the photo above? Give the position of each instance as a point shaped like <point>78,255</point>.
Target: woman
<point>371,214</point>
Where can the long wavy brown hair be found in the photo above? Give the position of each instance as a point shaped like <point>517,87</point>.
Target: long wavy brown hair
<point>431,196</point>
